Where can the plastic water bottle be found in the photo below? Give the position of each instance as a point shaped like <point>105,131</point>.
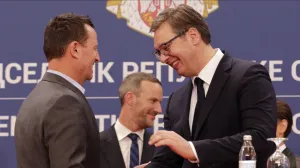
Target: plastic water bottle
<point>247,156</point>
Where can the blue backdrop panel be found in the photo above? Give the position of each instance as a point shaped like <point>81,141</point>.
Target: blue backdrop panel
<point>262,31</point>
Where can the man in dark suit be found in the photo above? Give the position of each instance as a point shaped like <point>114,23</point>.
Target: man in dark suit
<point>224,99</point>
<point>284,128</point>
<point>125,144</point>
<point>55,126</point>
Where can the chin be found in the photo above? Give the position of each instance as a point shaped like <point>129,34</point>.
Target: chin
<point>182,73</point>
<point>186,73</point>
<point>150,124</point>
<point>89,77</point>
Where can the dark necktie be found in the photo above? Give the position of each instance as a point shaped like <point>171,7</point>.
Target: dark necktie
<point>134,150</point>
<point>200,99</point>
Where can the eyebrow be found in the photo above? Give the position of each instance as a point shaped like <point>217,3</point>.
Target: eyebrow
<point>155,99</point>
<point>160,45</point>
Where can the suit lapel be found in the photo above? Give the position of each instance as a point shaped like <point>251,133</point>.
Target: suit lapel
<point>185,100</point>
<point>219,79</point>
<point>112,151</point>
<point>287,152</point>
<point>148,150</point>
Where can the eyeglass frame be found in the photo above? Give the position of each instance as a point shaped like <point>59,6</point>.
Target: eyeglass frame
<point>167,45</point>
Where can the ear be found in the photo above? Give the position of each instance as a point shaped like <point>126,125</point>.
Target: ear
<point>194,35</point>
<point>130,98</point>
<point>74,49</point>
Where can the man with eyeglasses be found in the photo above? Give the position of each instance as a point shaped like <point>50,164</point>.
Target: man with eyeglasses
<point>225,98</point>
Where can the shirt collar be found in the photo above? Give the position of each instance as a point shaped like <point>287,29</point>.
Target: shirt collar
<point>282,147</point>
<point>207,73</point>
<point>122,132</point>
<point>76,84</point>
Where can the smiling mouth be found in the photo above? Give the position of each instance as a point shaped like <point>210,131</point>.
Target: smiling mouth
<point>174,64</point>
<point>153,113</point>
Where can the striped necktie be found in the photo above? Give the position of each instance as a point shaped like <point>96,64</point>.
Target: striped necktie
<point>134,150</point>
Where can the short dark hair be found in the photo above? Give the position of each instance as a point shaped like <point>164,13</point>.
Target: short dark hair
<point>62,30</point>
<point>182,18</point>
<point>285,113</point>
<point>132,83</point>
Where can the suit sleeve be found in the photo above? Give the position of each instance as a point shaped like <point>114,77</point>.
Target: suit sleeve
<point>65,133</point>
<point>164,156</point>
<point>257,108</point>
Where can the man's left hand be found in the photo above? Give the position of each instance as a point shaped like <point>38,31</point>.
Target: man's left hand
<point>174,141</point>
<point>142,165</point>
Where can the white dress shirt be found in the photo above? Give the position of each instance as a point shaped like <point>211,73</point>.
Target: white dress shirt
<point>125,142</point>
<point>76,84</point>
<point>206,75</point>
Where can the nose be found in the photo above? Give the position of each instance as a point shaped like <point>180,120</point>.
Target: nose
<point>97,58</point>
<point>164,58</point>
<point>158,108</point>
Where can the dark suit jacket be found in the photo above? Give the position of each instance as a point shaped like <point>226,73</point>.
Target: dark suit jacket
<point>56,127</point>
<point>291,156</point>
<point>240,100</point>
<point>111,155</point>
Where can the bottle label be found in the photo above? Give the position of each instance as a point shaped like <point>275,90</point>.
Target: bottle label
<point>247,164</point>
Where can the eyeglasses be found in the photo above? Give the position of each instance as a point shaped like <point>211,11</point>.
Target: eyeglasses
<point>165,47</point>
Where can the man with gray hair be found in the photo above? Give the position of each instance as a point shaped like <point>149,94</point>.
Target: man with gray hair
<point>125,144</point>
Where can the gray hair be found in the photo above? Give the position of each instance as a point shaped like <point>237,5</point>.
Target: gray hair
<point>132,83</point>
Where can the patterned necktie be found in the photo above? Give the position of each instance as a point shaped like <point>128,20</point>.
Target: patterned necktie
<point>134,150</point>
<point>200,98</point>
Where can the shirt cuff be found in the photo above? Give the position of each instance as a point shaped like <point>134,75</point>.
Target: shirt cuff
<point>195,153</point>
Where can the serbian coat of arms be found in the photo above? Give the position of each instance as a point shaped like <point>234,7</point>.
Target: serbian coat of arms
<point>140,13</point>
